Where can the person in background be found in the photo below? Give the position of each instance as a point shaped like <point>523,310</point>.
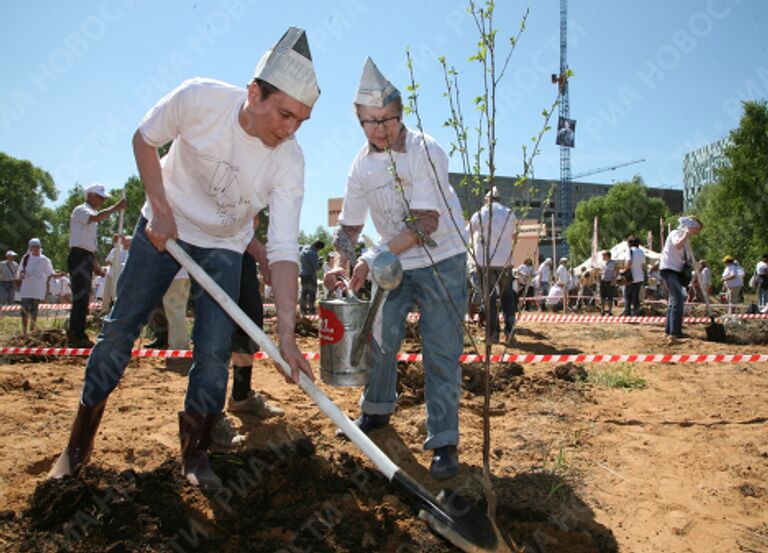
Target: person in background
<point>81,262</point>
<point>761,270</point>
<point>654,278</point>
<point>608,275</point>
<point>493,228</point>
<point>673,257</point>
<point>543,274</point>
<point>59,290</point>
<point>555,297</point>
<point>118,254</point>
<point>706,280</point>
<point>34,272</point>
<point>310,264</point>
<point>400,178</point>
<point>524,283</point>
<point>733,279</point>
<point>635,260</point>
<point>8,270</point>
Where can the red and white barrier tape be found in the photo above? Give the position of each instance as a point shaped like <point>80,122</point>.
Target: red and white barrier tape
<point>48,307</point>
<point>466,358</point>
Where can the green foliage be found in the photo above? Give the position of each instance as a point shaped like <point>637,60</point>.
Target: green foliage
<point>734,209</point>
<point>620,376</point>
<point>23,189</point>
<point>624,211</point>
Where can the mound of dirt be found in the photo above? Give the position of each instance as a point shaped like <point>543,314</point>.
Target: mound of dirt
<point>570,372</point>
<point>747,331</point>
<point>48,338</point>
<point>306,327</point>
<point>280,499</point>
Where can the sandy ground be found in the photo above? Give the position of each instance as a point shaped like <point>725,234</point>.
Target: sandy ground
<point>678,465</point>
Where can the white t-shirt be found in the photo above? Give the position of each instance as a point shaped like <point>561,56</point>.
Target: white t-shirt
<point>563,274</point>
<point>761,268</point>
<point>59,286</point>
<point>731,269</point>
<point>544,273</point>
<point>372,186</point>
<point>35,276</point>
<point>123,256</point>
<point>502,221</point>
<point>524,274</point>
<point>636,257</point>
<point>555,295</point>
<point>672,257</point>
<point>217,177</point>
<point>82,233</point>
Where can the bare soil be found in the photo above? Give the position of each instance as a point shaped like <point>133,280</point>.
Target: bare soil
<point>678,465</point>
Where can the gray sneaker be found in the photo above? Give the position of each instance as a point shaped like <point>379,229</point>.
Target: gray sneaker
<point>254,404</point>
<point>223,433</point>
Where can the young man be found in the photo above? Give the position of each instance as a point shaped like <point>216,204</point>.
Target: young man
<point>607,282</point>
<point>81,261</point>
<point>401,177</point>
<point>493,228</point>
<point>233,153</point>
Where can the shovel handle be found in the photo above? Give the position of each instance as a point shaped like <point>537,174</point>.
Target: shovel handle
<point>326,405</point>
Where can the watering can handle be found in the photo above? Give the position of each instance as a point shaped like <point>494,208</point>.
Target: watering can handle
<point>326,405</point>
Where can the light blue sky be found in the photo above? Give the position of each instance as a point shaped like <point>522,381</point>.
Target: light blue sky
<point>653,79</point>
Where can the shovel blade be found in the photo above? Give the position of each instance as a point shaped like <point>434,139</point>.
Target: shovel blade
<point>453,517</point>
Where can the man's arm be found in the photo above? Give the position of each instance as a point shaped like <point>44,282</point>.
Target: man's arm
<point>106,212</point>
<point>285,274</point>
<point>259,253</point>
<point>162,226</point>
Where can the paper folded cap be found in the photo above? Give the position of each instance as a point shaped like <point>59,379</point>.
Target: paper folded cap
<point>97,189</point>
<point>11,253</point>
<point>374,89</point>
<point>563,259</point>
<point>288,66</point>
<point>689,222</point>
<point>34,242</point>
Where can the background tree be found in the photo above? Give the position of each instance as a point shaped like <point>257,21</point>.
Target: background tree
<point>625,210</point>
<point>23,190</point>
<point>734,209</point>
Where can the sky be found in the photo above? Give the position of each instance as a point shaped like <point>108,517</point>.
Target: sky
<point>651,80</point>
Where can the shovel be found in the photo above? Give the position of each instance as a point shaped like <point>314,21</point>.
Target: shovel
<point>449,514</point>
<point>715,330</point>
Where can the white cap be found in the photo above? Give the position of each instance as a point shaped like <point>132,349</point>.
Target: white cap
<point>10,253</point>
<point>563,259</point>
<point>689,222</point>
<point>492,193</point>
<point>288,66</point>
<point>374,88</point>
<point>34,242</point>
<point>97,189</point>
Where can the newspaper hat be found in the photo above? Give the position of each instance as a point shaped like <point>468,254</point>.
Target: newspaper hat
<point>288,66</point>
<point>492,193</point>
<point>374,88</point>
<point>11,253</point>
<point>34,242</point>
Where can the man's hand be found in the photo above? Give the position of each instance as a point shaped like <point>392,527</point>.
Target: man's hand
<point>359,276</point>
<point>334,279</point>
<point>293,356</point>
<point>161,228</point>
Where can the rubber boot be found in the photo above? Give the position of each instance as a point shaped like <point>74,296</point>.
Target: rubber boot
<point>195,433</point>
<point>160,341</point>
<point>80,446</point>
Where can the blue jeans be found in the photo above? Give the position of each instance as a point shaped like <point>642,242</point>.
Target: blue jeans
<point>440,292</point>
<point>677,294</point>
<point>508,300</point>
<point>145,279</point>
<point>762,293</point>
<point>632,299</point>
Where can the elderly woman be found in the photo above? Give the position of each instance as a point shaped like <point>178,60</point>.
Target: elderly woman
<point>400,176</point>
<point>673,258</point>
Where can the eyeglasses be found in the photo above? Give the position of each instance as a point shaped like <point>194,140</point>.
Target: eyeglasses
<point>372,124</point>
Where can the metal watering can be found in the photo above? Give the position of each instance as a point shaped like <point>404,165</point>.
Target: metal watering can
<point>345,327</point>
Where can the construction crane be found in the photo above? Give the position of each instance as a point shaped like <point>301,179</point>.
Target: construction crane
<point>564,111</point>
<point>604,169</point>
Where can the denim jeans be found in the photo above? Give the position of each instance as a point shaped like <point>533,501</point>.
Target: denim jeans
<point>677,294</point>
<point>508,300</point>
<point>632,299</point>
<point>440,292</point>
<point>145,279</point>
<point>762,293</point>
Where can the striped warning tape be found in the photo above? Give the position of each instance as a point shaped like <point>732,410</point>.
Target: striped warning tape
<point>555,318</point>
<point>466,358</point>
<point>48,306</point>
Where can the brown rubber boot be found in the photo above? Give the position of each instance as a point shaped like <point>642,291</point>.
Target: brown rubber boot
<point>195,433</point>
<point>80,446</point>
